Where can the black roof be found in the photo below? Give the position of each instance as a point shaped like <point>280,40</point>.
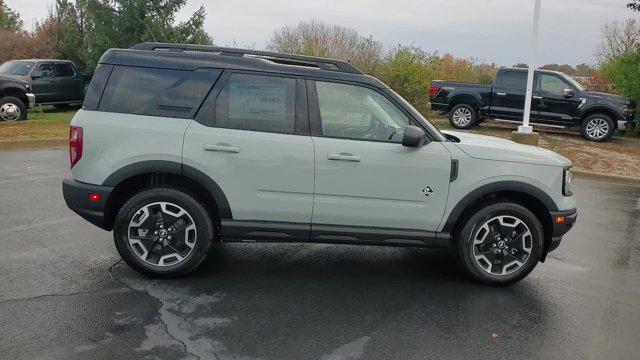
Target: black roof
<point>192,57</point>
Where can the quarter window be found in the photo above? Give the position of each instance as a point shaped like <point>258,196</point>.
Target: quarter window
<point>360,113</point>
<point>257,103</point>
<point>515,80</point>
<point>64,70</point>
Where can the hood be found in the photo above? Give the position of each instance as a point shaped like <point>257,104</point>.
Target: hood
<point>18,79</point>
<point>600,95</point>
<point>497,149</point>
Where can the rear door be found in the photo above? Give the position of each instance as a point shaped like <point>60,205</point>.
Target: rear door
<point>365,178</point>
<point>43,82</point>
<point>68,84</point>
<point>552,106</point>
<point>508,97</point>
<point>251,137</point>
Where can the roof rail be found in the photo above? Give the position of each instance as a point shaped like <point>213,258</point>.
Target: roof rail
<point>287,59</point>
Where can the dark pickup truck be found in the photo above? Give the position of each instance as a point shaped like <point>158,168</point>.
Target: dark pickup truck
<point>558,101</point>
<point>53,82</point>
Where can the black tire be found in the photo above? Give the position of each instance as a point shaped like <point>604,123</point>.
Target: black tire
<point>463,116</point>
<point>474,227</point>
<point>7,102</point>
<point>598,127</point>
<point>198,213</point>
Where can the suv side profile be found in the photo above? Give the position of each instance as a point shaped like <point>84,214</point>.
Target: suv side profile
<point>178,147</point>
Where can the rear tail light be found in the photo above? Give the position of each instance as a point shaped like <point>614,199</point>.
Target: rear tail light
<point>75,144</point>
<point>433,91</point>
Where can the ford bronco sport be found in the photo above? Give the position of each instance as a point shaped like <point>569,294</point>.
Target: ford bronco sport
<point>178,147</point>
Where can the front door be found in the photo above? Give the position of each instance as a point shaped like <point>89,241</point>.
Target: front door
<point>43,83</point>
<point>364,176</point>
<point>553,107</point>
<point>250,138</point>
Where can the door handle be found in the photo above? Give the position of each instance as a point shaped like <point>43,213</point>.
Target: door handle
<point>537,97</point>
<point>343,156</point>
<point>501,94</point>
<point>222,147</point>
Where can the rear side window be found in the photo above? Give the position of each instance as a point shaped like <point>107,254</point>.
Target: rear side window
<point>157,92</point>
<point>96,86</point>
<point>516,80</point>
<point>64,70</point>
<point>257,103</point>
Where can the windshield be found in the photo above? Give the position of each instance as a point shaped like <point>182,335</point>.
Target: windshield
<point>573,82</point>
<point>424,121</point>
<point>16,67</point>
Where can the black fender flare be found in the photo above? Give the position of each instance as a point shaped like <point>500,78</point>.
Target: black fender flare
<point>172,167</point>
<point>467,99</point>
<point>499,186</point>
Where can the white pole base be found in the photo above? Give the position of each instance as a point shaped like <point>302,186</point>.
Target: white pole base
<point>525,129</point>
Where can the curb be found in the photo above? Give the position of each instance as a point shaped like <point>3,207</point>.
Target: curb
<point>33,144</point>
<point>628,180</point>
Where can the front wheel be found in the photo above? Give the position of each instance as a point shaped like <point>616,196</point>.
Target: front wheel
<point>12,109</point>
<point>163,232</point>
<point>500,244</point>
<point>598,127</point>
<point>462,116</point>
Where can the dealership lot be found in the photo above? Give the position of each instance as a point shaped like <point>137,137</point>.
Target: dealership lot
<point>64,294</point>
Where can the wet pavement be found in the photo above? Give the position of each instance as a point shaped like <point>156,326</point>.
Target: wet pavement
<point>64,294</point>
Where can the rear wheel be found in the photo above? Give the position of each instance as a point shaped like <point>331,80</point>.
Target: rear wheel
<point>598,127</point>
<point>163,232</point>
<point>12,109</point>
<point>500,244</point>
<point>462,116</point>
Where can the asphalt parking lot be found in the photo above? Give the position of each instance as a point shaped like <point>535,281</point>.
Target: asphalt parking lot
<point>65,295</point>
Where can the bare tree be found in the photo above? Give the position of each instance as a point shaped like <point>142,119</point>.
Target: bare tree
<point>316,38</point>
<point>618,39</point>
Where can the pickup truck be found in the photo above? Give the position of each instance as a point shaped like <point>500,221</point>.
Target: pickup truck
<point>558,101</point>
<point>53,82</point>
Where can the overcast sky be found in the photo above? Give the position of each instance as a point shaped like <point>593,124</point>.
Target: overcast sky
<point>493,30</point>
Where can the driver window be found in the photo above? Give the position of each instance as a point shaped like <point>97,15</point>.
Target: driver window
<point>356,112</point>
<point>44,70</point>
<point>552,84</point>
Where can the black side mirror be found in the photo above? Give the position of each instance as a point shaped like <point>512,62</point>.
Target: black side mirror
<point>569,93</point>
<point>414,137</point>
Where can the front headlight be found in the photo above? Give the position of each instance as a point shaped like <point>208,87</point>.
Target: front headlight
<point>566,182</point>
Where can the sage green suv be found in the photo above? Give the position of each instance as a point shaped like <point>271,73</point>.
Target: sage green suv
<point>178,147</point>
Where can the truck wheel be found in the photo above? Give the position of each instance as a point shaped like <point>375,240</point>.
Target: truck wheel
<point>462,116</point>
<point>163,232</point>
<point>598,127</point>
<point>500,244</point>
<point>12,109</point>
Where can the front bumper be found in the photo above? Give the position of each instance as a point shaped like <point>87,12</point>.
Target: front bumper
<point>32,100</point>
<point>563,221</point>
<point>626,124</point>
<point>76,194</point>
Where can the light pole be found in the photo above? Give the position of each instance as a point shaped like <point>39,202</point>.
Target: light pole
<point>525,131</point>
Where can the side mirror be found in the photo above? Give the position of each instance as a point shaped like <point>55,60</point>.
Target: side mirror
<point>569,93</point>
<point>414,137</point>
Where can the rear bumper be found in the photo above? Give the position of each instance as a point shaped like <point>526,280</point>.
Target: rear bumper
<point>560,228</point>
<point>32,100</point>
<point>76,195</point>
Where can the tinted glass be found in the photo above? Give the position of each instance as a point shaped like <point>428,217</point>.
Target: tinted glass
<point>16,67</point>
<point>96,86</point>
<point>516,80</point>
<point>63,70</point>
<point>257,103</point>
<point>157,92</point>
<point>44,70</point>
<point>552,84</point>
<point>355,112</point>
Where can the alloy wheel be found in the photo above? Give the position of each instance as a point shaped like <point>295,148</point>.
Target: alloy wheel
<point>597,128</point>
<point>10,112</point>
<point>162,234</point>
<point>502,245</point>
<point>462,117</point>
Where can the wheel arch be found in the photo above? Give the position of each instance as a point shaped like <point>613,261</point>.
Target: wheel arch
<point>527,195</point>
<point>134,177</point>
<point>601,109</point>
<point>464,98</point>
<point>16,92</point>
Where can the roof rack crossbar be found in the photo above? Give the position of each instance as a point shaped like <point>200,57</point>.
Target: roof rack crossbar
<point>322,63</point>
